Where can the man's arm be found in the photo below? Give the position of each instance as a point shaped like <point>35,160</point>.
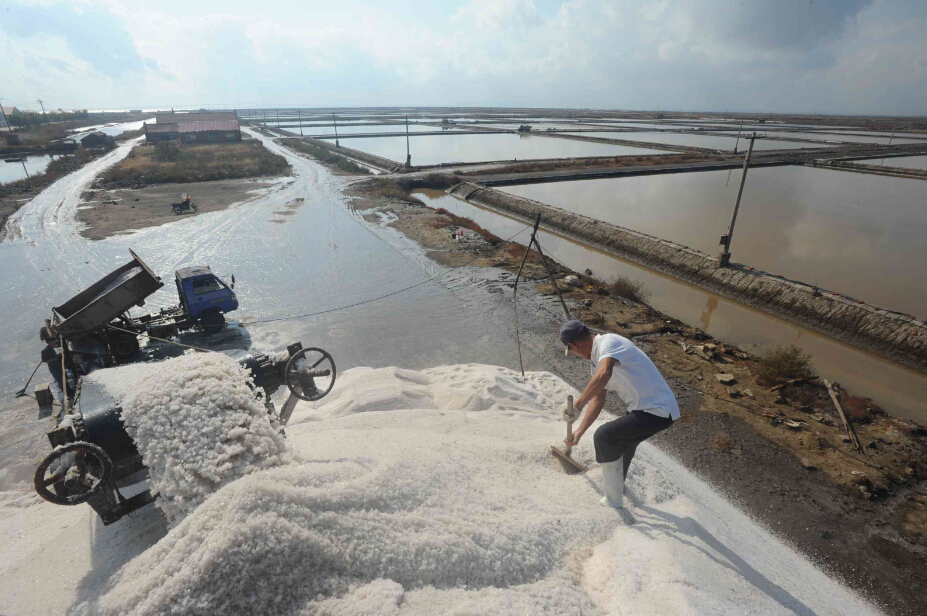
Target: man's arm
<point>594,396</point>
<point>592,413</point>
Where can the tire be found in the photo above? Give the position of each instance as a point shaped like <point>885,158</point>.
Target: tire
<point>178,209</point>
<point>194,208</point>
<point>124,348</point>
<point>212,322</point>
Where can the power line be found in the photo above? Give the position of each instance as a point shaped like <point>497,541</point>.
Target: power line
<point>375,299</point>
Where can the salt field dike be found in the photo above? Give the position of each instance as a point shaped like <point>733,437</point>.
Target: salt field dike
<point>508,308</point>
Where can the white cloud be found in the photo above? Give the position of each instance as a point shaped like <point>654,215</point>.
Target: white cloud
<point>825,55</point>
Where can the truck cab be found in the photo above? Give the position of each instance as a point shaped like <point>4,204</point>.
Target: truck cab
<point>204,296</point>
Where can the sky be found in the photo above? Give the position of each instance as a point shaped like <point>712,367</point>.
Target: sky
<point>781,56</point>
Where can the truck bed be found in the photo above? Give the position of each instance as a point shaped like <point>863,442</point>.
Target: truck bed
<point>107,298</point>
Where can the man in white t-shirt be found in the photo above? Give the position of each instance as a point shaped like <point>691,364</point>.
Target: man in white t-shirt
<point>618,364</point>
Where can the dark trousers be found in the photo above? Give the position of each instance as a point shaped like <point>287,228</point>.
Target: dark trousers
<point>66,388</point>
<point>622,436</point>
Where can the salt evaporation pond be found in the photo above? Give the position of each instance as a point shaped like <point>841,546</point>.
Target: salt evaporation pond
<point>857,234</point>
<point>437,149</point>
<point>13,171</point>
<point>896,388</point>
<point>701,141</point>
<point>353,130</point>
<point>872,138</point>
<point>905,162</point>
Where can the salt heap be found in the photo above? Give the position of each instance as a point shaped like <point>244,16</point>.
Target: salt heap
<point>198,427</point>
<point>434,492</point>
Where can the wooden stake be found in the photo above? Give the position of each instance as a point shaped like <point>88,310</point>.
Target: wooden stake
<point>515,292</point>
<point>565,455</point>
<point>846,422</point>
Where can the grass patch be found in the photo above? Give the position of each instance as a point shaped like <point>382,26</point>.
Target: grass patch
<point>326,157</point>
<point>629,288</point>
<point>783,364</point>
<point>171,161</point>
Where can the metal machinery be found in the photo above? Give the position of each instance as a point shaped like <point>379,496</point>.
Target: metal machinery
<point>94,456</point>
<point>98,330</point>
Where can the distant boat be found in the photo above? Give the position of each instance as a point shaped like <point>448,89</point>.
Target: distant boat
<point>13,160</point>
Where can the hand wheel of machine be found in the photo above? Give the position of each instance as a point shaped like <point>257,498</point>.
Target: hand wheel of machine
<point>86,470</point>
<point>310,374</point>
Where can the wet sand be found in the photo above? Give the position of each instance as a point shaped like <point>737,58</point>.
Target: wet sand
<point>105,213</point>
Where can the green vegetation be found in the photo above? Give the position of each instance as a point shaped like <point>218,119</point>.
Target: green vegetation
<point>34,118</point>
<point>325,156</point>
<point>629,289</point>
<point>171,161</point>
<point>783,364</point>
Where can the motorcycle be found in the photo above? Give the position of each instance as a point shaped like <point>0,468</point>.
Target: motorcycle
<point>186,205</point>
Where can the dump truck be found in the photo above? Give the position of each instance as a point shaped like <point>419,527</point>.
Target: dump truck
<point>98,330</point>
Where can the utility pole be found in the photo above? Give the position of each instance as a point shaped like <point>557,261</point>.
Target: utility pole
<point>725,257</point>
<point>335,121</point>
<point>42,103</point>
<point>300,117</point>
<point>408,155</point>
<point>5,119</point>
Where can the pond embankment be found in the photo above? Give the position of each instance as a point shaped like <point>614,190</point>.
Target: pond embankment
<point>899,337</point>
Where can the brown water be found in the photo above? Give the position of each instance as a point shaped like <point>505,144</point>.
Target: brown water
<point>894,387</point>
<point>437,149</point>
<point>855,233</point>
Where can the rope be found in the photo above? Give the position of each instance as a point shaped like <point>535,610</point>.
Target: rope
<point>375,299</point>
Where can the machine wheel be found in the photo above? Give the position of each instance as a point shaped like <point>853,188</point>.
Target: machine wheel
<point>77,479</point>
<point>178,209</point>
<point>124,348</point>
<point>212,322</point>
<point>310,374</point>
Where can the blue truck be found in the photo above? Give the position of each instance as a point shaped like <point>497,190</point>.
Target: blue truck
<point>99,331</point>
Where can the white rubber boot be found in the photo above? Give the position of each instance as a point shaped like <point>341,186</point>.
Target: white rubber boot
<point>613,483</point>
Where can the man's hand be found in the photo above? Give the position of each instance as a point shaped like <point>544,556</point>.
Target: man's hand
<point>574,442</point>
<point>571,418</point>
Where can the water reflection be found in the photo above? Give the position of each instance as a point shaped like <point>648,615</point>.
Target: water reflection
<point>28,166</point>
<point>437,149</point>
<point>894,387</point>
<point>854,233</point>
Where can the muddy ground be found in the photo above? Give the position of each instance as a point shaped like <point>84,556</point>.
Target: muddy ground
<point>112,212</point>
<point>782,455</point>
